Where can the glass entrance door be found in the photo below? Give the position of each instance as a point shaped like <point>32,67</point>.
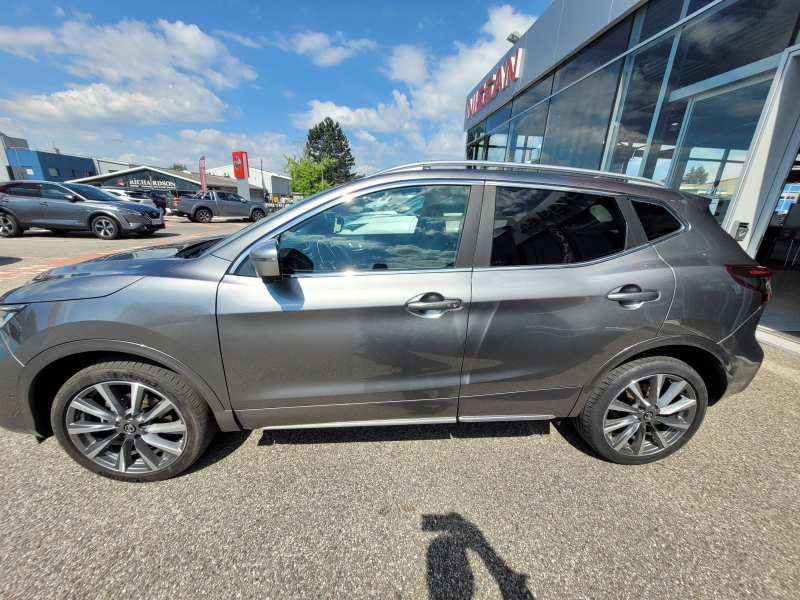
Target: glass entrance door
<point>713,143</point>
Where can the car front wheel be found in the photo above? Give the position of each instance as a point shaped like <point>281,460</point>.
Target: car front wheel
<point>644,410</point>
<point>131,421</point>
<point>105,228</point>
<point>257,215</point>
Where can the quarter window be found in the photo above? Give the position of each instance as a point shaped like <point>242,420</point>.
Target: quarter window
<point>656,220</point>
<point>404,228</point>
<point>546,227</point>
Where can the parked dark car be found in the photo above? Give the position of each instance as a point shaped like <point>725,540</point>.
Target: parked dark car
<point>62,207</point>
<point>204,206</point>
<point>537,293</point>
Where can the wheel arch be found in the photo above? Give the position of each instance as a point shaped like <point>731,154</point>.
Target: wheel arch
<point>709,360</point>
<point>44,375</point>
<point>199,206</point>
<point>104,213</point>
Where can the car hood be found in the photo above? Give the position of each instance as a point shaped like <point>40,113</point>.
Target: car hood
<point>112,205</point>
<point>101,276</point>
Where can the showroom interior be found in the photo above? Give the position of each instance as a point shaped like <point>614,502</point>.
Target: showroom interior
<point>699,95</point>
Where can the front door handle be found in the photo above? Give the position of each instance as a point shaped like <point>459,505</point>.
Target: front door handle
<point>44,204</point>
<point>633,293</point>
<point>432,304</point>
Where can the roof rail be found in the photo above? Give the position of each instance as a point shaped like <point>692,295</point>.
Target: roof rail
<point>488,164</point>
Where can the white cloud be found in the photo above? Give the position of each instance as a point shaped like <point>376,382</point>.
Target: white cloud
<point>59,12</point>
<point>428,118</point>
<point>148,73</point>
<point>242,39</point>
<point>324,50</point>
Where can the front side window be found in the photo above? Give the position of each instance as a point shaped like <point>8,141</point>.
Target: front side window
<point>547,227</point>
<point>54,192</point>
<point>415,227</point>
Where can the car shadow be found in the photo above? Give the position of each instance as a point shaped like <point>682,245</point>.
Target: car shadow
<point>573,438</point>
<point>449,576</point>
<point>222,446</point>
<point>8,260</point>
<point>403,433</point>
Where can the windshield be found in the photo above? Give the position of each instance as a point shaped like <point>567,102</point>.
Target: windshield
<point>90,192</point>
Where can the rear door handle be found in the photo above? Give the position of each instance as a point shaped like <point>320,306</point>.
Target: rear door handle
<point>432,304</point>
<point>633,293</point>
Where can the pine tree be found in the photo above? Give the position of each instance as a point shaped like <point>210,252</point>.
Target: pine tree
<point>326,140</point>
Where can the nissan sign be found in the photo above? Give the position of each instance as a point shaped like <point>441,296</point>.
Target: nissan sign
<point>500,80</point>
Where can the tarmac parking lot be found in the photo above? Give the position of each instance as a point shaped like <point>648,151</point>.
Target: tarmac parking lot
<point>507,510</point>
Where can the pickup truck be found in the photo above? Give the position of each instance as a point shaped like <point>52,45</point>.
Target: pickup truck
<point>204,206</point>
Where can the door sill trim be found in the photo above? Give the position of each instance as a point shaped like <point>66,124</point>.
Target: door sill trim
<point>431,421</point>
<point>481,418</point>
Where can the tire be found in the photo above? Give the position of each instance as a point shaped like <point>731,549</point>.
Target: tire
<point>105,228</point>
<point>115,442</point>
<point>146,233</point>
<point>203,215</point>
<point>257,215</point>
<point>604,428</point>
<point>9,226</point>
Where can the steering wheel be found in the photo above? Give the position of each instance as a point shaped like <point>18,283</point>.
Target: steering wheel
<point>328,261</point>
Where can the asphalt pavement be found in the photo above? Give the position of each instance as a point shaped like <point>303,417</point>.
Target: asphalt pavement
<point>511,510</point>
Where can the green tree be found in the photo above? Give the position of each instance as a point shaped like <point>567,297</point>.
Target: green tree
<point>177,167</point>
<point>327,141</point>
<point>306,174</point>
<point>696,176</point>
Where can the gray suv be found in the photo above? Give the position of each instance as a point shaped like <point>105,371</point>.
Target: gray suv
<point>429,293</point>
<point>63,207</point>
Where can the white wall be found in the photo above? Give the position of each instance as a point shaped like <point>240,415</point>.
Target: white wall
<point>255,175</point>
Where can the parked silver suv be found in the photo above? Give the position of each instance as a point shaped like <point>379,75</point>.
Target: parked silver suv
<point>429,293</point>
<point>62,207</point>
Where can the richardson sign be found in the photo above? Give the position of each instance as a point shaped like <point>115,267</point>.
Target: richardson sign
<point>500,80</point>
<point>150,183</point>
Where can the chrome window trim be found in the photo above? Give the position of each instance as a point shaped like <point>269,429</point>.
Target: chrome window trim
<point>351,196</point>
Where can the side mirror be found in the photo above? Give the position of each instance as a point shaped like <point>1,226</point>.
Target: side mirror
<point>266,261</point>
<point>72,198</point>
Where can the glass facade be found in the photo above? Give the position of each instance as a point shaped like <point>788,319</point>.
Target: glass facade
<point>680,108</point>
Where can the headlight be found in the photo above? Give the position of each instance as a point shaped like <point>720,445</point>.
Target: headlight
<point>7,312</point>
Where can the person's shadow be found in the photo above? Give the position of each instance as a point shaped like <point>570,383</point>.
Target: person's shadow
<point>449,574</point>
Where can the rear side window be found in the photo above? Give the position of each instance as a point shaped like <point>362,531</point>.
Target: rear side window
<point>546,227</point>
<point>30,190</point>
<point>656,220</point>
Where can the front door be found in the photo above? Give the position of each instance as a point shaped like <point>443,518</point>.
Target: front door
<point>24,203</point>
<point>237,206</point>
<point>563,281</point>
<point>370,322</point>
<point>60,213</point>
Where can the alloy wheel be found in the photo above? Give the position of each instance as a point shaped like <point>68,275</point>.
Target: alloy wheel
<point>650,415</point>
<point>257,215</point>
<point>126,427</point>
<point>6,226</point>
<point>104,228</point>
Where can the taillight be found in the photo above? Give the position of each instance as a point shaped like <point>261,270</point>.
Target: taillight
<point>753,277</point>
<point>175,202</point>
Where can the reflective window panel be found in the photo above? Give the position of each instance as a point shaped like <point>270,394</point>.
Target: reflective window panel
<point>533,95</point>
<point>578,121</point>
<point>526,135</point>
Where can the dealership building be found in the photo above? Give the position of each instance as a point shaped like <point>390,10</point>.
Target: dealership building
<point>700,95</point>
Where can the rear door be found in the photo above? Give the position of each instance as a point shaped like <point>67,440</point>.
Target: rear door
<point>23,200</point>
<point>564,280</point>
<point>370,322</point>
<point>60,213</point>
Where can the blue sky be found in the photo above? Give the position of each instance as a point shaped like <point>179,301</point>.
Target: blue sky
<point>157,82</point>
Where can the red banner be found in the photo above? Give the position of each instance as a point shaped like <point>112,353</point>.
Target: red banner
<point>203,185</point>
<point>241,168</point>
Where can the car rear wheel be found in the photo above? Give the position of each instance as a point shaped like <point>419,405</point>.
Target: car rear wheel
<point>105,228</point>
<point>131,421</point>
<point>257,215</point>
<point>203,216</point>
<point>644,410</point>
<point>9,227</point>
